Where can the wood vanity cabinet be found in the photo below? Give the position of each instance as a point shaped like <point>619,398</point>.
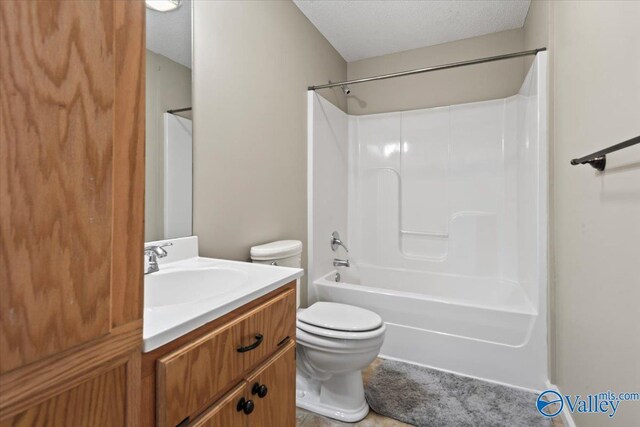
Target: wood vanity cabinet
<point>275,408</point>
<point>238,370</point>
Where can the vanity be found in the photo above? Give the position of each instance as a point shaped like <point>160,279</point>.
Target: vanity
<point>218,342</point>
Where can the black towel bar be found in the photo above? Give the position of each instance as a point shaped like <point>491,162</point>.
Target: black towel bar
<point>598,160</point>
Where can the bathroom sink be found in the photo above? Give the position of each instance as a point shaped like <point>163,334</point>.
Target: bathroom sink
<point>183,286</point>
<point>190,291</point>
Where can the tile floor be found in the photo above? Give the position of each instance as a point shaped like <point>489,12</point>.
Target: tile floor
<point>309,419</point>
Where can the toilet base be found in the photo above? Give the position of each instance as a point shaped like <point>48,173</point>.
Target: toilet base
<point>340,397</point>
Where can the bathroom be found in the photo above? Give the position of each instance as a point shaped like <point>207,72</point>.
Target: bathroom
<point>319,213</point>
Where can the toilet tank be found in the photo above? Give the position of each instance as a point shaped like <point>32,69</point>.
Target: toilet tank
<point>285,253</point>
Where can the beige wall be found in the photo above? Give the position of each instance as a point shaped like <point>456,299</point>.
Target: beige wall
<point>253,62</point>
<point>168,86</point>
<point>466,84</point>
<point>595,87</point>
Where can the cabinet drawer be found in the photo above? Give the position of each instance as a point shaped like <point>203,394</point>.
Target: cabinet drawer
<point>191,377</point>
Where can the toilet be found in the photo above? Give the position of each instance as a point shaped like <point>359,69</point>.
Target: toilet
<point>335,342</point>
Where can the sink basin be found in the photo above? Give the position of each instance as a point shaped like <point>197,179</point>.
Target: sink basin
<point>177,287</point>
<point>190,291</point>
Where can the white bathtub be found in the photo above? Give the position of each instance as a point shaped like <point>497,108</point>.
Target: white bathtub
<point>473,326</point>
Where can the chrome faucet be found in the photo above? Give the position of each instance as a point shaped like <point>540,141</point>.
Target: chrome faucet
<point>335,242</point>
<point>153,253</point>
<point>341,262</point>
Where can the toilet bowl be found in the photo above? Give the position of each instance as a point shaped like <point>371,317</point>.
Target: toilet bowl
<point>335,342</point>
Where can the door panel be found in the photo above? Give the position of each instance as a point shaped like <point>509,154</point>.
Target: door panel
<point>278,406</point>
<point>57,96</point>
<point>98,402</point>
<point>105,398</point>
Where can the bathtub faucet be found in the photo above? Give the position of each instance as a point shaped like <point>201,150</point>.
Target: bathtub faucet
<point>341,262</point>
<point>335,242</point>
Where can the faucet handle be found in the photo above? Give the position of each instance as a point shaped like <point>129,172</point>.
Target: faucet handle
<point>335,242</point>
<point>158,249</point>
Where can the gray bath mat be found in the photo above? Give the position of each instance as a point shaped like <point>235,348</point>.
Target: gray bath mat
<point>428,397</point>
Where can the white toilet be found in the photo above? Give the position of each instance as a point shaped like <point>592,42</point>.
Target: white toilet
<point>335,342</point>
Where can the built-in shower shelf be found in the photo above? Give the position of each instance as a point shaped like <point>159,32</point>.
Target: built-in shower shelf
<point>425,233</point>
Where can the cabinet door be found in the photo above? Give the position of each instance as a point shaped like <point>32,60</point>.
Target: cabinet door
<point>277,377</point>
<point>192,376</point>
<point>225,413</point>
<point>274,322</point>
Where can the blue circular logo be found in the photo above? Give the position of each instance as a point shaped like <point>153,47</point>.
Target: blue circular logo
<point>545,401</point>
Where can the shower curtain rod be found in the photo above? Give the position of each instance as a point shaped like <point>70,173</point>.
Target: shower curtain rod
<point>179,110</point>
<point>428,69</point>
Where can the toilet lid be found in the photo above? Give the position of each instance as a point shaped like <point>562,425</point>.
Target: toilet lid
<point>340,317</point>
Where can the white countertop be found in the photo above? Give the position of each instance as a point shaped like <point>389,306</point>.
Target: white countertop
<point>165,323</point>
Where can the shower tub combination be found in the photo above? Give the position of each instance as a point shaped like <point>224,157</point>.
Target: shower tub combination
<point>445,213</point>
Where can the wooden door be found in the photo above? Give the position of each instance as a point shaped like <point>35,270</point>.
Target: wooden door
<point>277,378</point>
<point>227,412</point>
<point>71,211</point>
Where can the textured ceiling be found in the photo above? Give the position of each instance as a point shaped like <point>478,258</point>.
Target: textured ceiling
<point>169,33</point>
<point>363,29</point>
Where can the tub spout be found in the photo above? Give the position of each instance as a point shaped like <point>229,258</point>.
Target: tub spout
<point>341,262</point>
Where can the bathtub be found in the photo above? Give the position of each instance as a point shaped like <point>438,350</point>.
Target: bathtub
<point>476,327</point>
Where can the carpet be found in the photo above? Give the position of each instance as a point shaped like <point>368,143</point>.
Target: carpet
<point>428,397</point>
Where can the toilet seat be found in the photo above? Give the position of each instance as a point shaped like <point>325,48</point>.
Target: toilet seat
<point>340,321</point>
<point>339,335</point>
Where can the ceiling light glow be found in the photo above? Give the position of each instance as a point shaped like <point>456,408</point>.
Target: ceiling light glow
<point>163,5</point>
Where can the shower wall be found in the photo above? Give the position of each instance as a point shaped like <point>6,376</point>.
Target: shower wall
<point>450,190</point>
<point>445,215</point>
<point>327,183</point>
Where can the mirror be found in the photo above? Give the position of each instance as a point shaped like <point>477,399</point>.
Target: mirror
<point>169,142</point>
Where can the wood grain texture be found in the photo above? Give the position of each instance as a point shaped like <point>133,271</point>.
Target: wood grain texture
<point>148,401</point>
<point>56,112</point>
<point>71,116</point>
<point>134,389</point>
<point>100,401</point>
<point>275,321</point>
<point>128,162</point>
<point>29,385</point>
<point>278,407</point>
<point>190,378</point>
<point>149,360</point>
<point>225,413</point>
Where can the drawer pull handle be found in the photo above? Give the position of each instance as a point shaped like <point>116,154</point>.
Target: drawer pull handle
<point>283,341</point>
<point>245,406</point>
<point>260,390</point>
<point>259,339</point>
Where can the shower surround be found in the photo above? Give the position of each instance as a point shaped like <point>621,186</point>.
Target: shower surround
<point>445,213</point>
